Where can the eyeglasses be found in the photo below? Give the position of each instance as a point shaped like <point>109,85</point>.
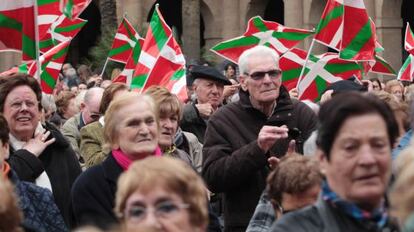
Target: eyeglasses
<point>94,116</point>
<point>274,73</point>
<point>164,210</point>
<point>19,104</point>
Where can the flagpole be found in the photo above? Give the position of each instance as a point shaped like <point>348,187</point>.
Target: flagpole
<point>104,67</point>
<point>37,41</point>
<point>304,66</point>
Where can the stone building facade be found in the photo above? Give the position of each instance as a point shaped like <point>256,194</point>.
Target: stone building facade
<point>204,23</point>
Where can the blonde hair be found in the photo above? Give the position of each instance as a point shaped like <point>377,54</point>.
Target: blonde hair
<point>165,101</point>
<point>391,84</point>
<point>111,118</point>
<point>170,173</point>
<point>402,194</point>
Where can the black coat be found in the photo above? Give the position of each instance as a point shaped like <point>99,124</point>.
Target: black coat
<point>323,217</point>
<point>60,163</point>
<point>233,162</point>
<point>192,122</point>
<point>93,194</point>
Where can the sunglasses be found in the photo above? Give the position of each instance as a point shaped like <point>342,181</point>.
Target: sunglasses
<point>275,73</point>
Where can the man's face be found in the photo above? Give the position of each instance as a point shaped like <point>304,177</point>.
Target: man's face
<point>21,110</point>
<point>90,111</point>
<point>209,91</point>
<point>65,67</point>
<point>262,88</point>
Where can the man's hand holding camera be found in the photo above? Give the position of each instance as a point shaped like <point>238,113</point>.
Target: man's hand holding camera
<point>268,135</point>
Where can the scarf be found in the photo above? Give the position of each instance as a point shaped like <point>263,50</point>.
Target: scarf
<point>43,179</point>
<point>124,161</point>
<point>379,216</point>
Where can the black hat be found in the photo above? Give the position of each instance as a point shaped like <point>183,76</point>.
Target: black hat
<point>345,86</point>
<point>206,72</point>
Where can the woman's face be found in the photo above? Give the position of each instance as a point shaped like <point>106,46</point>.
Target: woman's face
<point>168,128</point>
<point>230,71</point>
<point>137,130</point>
<point>159,210</point>
<point>21,110</point>
<point>359,166</point>
<point>397,91</point>
<point>376,86</point>
<point>71,109</point>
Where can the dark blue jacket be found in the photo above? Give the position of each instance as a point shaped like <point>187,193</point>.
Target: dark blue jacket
<point>39,209</point>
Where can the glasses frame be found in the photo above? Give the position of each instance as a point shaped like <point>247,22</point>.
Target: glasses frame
<point>260,75</point>
<point>153,209</point>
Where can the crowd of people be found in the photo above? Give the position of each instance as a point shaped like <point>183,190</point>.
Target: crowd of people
<point>243,153</point>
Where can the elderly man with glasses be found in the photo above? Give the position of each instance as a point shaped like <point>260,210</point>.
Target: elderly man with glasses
<point>242,136</point>
<point>89,113</point>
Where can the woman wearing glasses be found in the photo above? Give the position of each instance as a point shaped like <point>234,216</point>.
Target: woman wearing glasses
<point>38,153</point>
<point>161,194</point>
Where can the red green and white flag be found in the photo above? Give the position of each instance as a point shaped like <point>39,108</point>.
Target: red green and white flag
<point>51,63</point>
<point>48,11</point>
<point>409,40</point>
<point>329,69</point>
<point>261,32</point>
<point>73,8</point>
<point>319,73</point>
<point>126,75</point>
<point>358,37</point>
<point>379,66</point>
<point>406,72</point>
<point>329,29</point>
<point>125,39</point>
<point>17,27</point>
<point>157,37</point>
<point>62,29</point>
<point>291,64</point>
<point>169,70</point>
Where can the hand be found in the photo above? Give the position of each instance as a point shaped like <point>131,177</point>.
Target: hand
<point>39,143</point>
<point>274,161</point>
<point>326,96</point>
<point>205,110</point>
<point>368,84</point>
<point>291,148</point>
<point>293,93</point>
<point>229,90</point>
<point>268,135</point>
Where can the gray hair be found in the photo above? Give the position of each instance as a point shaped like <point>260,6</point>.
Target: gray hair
<point>92,93</point>
<point>259,50</point>
<point>48,102</point>
<point>79,98</point>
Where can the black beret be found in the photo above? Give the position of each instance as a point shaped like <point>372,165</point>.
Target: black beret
<point>345,86</point>
<point>207,72</point>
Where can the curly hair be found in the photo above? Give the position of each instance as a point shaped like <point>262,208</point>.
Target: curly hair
<point>294,174</point>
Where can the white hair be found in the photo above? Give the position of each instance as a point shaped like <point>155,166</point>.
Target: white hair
<point>259,50</point>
